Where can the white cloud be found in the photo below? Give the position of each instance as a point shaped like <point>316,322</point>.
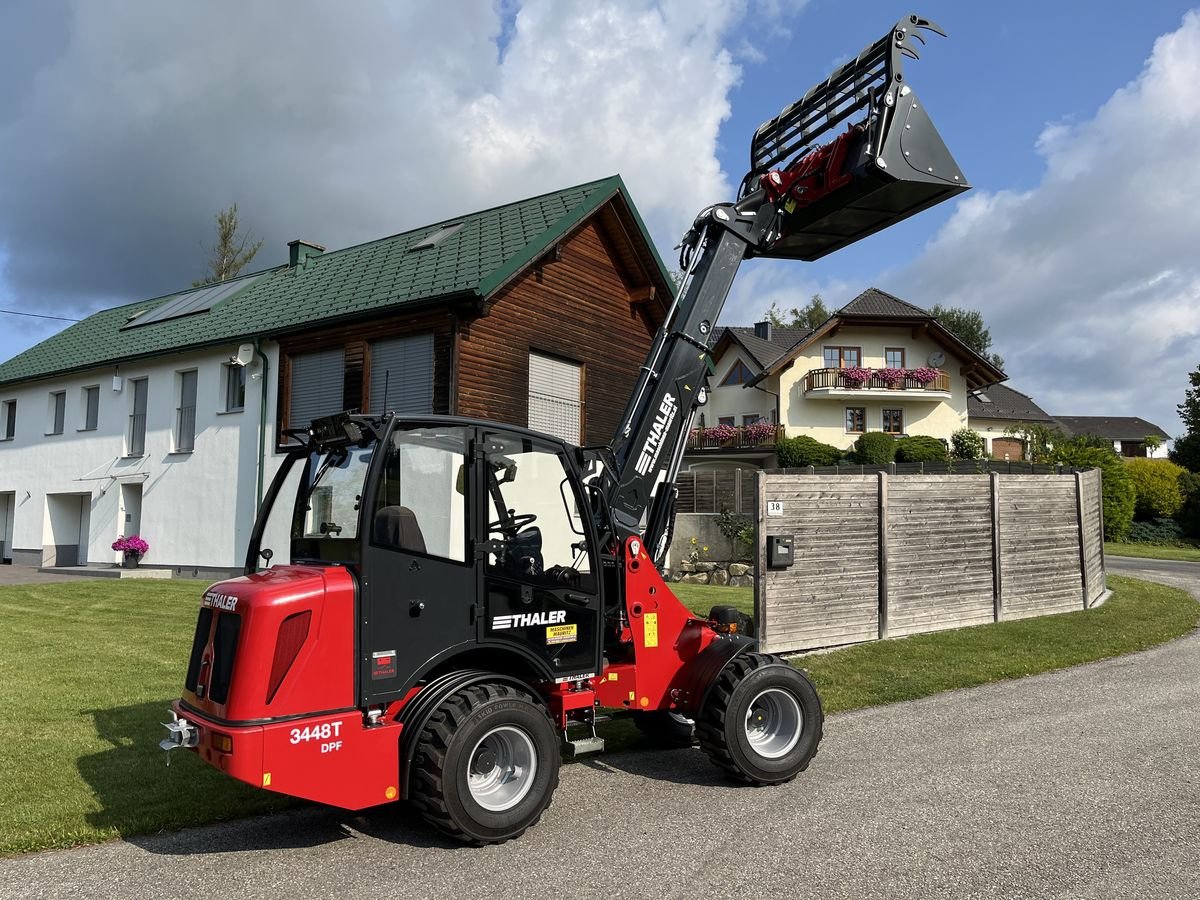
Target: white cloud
<point>1090,282</point>
<point>341,123</point>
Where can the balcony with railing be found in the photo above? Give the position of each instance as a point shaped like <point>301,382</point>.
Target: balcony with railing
<point>732,437</point>
<point>850,383</point>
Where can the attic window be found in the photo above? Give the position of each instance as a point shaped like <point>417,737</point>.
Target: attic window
<point>191,302</point>
<point>436,237</point>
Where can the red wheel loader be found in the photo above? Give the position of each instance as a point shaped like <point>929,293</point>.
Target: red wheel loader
<point>464,596</point>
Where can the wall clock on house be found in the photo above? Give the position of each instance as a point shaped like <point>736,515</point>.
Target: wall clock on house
<point>936,358</point>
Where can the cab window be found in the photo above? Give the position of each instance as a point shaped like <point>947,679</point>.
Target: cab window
<point>534,515</point>
<point>420,499</point>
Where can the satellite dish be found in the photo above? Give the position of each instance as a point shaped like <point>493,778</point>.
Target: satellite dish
<point>936,358</point>
<point>245,355</point>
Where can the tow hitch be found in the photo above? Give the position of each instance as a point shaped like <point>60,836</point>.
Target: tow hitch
<point>180,733</point>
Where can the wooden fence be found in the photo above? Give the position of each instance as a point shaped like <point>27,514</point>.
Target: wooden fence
<point>881,555</point>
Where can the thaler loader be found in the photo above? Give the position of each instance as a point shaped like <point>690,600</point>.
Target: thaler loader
<point>463,596</point>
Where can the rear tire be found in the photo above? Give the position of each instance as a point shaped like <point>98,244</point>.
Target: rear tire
<point>666,728</point>
<point>486,764</point>
<point>762,720</point>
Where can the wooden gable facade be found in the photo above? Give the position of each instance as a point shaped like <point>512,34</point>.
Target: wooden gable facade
<point>594,299</point>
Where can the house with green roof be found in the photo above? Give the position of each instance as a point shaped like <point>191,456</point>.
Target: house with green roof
<point>166,416</point>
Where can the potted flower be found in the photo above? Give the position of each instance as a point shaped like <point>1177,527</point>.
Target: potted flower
<point>134,548</point>
<point>719,434</point>
<point>855,376</point>
<point>893,378</point>
<point>925,375</point>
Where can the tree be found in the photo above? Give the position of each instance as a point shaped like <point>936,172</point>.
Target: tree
<point>968,327</point>
<point>811,316</point>
<point>1040,440</point>
<point>1186,449</point>
<point>233,251</point>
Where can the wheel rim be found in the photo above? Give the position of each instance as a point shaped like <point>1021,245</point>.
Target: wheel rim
<point>503,766</point>
<point>774,723</point>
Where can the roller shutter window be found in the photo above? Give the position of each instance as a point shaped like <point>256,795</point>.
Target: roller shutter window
<point>402,375</point>
<point>556,397</point>
<point>316,386</point>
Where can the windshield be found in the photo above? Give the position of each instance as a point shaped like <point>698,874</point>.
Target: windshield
<point>330,506</point>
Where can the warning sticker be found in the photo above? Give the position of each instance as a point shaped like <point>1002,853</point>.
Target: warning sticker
<point>383,664</point>
<point>562,634</point>
<point>650,635</point>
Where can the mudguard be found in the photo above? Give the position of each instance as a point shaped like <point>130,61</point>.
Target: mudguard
<point>701,673</point>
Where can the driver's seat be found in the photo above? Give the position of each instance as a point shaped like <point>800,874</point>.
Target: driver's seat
<point>396,526</point>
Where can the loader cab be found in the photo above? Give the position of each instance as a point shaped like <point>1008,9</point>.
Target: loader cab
<point>470,543</point>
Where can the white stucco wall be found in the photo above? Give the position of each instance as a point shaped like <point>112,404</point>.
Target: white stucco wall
<point>197,508</point>
<point>735,400</point>
<point>824,417</point>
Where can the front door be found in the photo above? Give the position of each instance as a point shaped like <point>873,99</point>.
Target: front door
<point>540,578</point>
<point>419,578</point>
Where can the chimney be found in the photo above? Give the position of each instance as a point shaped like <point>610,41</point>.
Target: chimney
<point>762,330</point>
<point>299,251</point>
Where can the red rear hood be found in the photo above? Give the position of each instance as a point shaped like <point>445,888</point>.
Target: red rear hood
<point>278,643</point>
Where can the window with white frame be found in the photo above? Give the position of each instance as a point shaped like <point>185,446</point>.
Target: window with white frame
<point>185,413</point>
<point>556,396</point>
<point>235,388</point>
<point>136,438</point>
<point>56,414</point>
<point>8,420</point>
<point>893,421</point>
<point>89,407</point>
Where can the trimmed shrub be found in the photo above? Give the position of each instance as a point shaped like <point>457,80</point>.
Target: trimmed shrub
<point>1156,482</point>
<point>966,444</point>
<point>920,448</point>
<point>796,452</point>
<point>1189,514</point>
<point>1160,532</point>
<point>874,449</point>
<point>1117,486</point>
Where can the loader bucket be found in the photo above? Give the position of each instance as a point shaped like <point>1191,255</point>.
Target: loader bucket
<point>856,154</point>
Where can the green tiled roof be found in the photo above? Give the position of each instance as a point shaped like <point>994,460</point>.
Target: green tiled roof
<point>491,247</point>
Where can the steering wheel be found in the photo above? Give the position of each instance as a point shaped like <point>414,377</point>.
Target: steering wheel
<point>515,524</point>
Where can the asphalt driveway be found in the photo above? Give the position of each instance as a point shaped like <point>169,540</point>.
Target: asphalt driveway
<point>1080,783</point>
<point>30,575</point>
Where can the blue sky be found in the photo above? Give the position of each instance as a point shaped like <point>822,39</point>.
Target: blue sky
<point>124,129</point>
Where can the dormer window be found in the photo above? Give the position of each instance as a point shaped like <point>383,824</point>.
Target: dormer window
<point>739,374</point>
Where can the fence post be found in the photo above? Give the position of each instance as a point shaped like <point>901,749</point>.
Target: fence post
<point>760,561</point>
<point>1099,476</point>
<point>997,580</point>
<point>883,555</point>
<point>1083,572</point>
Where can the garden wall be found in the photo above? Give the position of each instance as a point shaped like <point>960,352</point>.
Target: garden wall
<point>883,555</point>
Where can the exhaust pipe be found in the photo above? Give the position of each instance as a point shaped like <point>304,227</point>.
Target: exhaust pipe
<point>856,154</point>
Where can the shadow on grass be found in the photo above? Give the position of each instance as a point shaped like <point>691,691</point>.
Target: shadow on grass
<point>140,797</point>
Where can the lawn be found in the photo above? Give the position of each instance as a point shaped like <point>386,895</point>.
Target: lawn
<point>87,670</point>
<point>1150,551</point>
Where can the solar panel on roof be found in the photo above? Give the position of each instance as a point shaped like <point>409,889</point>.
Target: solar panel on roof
<point>200,300</point>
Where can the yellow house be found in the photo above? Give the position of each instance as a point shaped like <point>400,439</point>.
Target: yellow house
<point>877,364</point>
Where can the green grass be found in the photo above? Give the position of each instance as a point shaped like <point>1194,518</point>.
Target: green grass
<point>87,670</point>
<point>1149,551</point>
<point>1139,615</point>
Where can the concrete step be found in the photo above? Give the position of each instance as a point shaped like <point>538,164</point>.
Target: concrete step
<point>105,571</point>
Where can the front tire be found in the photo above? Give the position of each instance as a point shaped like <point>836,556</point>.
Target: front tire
<point>762,720</point>
<point>486,764</point>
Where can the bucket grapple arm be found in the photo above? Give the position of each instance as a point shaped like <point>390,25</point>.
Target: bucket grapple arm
<point>854,155</point>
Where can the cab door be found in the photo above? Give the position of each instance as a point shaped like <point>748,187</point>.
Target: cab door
<point>419,574</point>
<point>540,574</point>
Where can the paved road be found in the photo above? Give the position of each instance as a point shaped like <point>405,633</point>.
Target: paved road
<point>1185,575</point>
